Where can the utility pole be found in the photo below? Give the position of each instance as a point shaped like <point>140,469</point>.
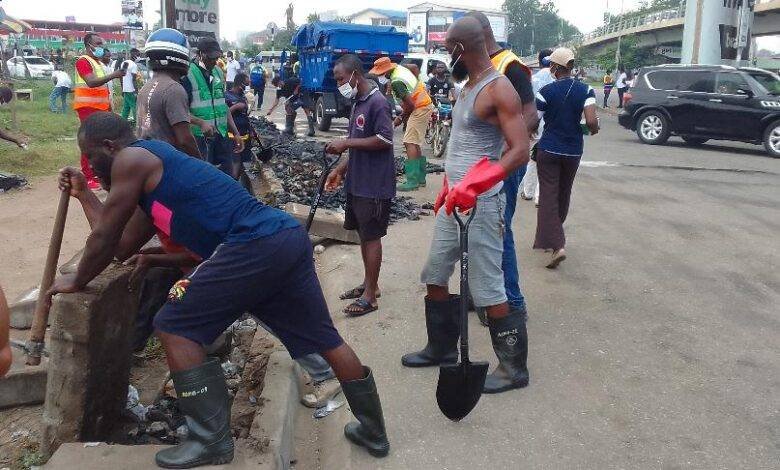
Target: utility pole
<point>620,37</point>
<point>717,32</point>
<point>168,13</point>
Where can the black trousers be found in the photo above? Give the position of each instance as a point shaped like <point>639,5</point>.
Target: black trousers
<point>621,91</point>
<point>556,178</point>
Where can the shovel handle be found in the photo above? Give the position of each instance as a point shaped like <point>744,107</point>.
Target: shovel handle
<point>327,166</point>
<point>41,315</point>
<point>464,283</point>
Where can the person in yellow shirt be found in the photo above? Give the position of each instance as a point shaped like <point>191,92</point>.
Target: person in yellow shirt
<point>609,83</point>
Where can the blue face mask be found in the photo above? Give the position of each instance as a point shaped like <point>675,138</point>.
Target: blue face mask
<point>98,51</point>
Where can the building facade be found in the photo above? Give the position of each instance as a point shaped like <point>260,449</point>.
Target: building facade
<point>427,23</point>
<point>380,17</point>
<point>57,35</point>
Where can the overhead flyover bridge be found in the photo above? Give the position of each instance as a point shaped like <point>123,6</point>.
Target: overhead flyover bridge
<point>663,28</point>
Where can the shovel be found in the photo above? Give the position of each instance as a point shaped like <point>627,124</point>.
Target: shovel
<point>34,347</point>
<point>326,168</point>
<point>460,385</point>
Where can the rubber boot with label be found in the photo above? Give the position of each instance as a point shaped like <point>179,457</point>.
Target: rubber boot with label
<point>205,403</point>
<point>369,431</point>
<point>442,322</point>
<point>410,169</point>
<point>423,171</point>
<point>289,125</point>
<point>510,343</point>
<point>311,126</point>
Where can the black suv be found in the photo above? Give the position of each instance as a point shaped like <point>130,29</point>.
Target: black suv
<point>699,103</point>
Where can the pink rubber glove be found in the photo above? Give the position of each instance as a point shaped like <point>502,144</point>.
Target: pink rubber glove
<point>445,188</point>
<point>481,177</point>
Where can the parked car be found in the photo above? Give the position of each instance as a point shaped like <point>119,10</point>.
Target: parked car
<point>427,62</point>
<point>38,67</point>
<point>699,103</point>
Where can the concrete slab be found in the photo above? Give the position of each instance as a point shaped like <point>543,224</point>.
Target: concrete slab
<point>273,426</point>
<point>327,223</point>
<point>102,456</point>
<point>22,309</point>
<point>23,386</point>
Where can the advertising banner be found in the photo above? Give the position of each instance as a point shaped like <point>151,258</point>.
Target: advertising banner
<point>197,18</point>
<point>719,34</point>
<point>498,24</point>
<point>417,27</point>
<point>437,37</point>
<point>133,14</point>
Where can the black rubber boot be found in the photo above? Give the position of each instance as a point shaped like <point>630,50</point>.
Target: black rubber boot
<point>369,431</point>
<point>311,126</point>
<point>510,342</point>
<point>289,125</point>
<point>205,403</point>
<point>443,324</point>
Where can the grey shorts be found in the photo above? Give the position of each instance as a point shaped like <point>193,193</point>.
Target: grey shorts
<point>486,247</point>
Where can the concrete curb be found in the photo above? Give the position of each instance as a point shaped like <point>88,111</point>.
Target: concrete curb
<point>273,426</point>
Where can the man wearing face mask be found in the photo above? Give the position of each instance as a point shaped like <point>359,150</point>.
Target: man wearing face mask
<point>92,90</point>
<point>489,142</point>
<point>370,175</point>
<point>417,106</point>
<point>509,65</point>
<point>209,114</point>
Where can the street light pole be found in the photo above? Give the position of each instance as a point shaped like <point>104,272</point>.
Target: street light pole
<point>619,39</point>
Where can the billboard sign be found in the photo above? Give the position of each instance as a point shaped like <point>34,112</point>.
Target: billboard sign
<point>498,24</point>
<point>133,14</point>
<point>437,37</point>
<point>197,18</point>
<point>417,27</point>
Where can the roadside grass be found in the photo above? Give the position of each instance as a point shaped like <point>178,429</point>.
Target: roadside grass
<point>52,136</point>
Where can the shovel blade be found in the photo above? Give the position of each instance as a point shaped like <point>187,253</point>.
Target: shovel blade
<point>460,387</point>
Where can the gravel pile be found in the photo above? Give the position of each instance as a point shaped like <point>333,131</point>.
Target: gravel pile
<point>298,167</point>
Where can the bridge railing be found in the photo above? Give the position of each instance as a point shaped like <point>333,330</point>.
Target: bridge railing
<point>625,24</point>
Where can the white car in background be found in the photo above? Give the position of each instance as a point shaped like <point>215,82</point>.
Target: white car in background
<point>38,67</point>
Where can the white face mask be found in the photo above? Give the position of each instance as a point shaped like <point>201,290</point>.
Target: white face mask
<point>347,90</point>
<point>382,80</point>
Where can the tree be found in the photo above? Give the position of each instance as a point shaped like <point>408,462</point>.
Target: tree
<point>313,17</point>
<point>534,25</point>
<point>281,40</point>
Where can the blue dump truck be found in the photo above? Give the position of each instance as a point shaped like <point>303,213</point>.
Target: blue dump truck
<point>320,44</point>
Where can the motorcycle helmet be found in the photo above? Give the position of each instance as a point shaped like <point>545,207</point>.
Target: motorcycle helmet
<point>168,49</point>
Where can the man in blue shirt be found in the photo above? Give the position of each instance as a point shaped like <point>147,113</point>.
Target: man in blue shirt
<point>257,259</point>
<point>370,175</point>
<point>561,105</point>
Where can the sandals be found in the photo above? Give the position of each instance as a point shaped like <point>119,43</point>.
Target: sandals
<point>356,293</point>
<point>360,307</point>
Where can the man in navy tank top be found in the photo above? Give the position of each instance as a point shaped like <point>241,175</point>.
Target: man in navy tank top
<point>257,259</point>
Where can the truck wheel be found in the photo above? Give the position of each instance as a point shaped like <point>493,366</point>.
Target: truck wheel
<point>653,128</point>
<point>323,121</point>
<point>772,139</point>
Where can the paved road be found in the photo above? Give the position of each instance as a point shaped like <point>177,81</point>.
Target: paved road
<point>655,345</point>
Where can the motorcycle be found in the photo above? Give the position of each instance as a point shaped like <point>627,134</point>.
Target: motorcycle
<point>441,126</point>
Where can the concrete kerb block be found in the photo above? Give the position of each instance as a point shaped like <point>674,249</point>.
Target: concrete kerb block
<point>274,424</point>
<point>90,344</point>
<point>26,386</point>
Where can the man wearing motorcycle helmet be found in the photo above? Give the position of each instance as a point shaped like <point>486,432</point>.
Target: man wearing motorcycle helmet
<point>163,107</point>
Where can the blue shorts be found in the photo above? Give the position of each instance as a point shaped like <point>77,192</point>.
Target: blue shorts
<point>272,278</point>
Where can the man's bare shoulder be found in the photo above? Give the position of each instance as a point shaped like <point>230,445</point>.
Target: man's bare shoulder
<point>135,160</point>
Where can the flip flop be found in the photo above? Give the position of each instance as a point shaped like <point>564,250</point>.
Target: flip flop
<point>356,293</point>
<point>364,306</point>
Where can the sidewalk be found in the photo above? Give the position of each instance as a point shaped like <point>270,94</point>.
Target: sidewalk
<point>632,349</point>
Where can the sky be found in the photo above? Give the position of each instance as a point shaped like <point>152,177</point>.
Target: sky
<point>254,15</point>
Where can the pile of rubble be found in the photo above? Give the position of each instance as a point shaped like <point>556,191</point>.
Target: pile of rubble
<point>163,422</point>
<point>298,166</point>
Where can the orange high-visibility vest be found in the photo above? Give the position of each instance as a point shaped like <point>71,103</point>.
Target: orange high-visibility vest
<point>506,57</point>
<point>414,86</point>
<point>86,97</point>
